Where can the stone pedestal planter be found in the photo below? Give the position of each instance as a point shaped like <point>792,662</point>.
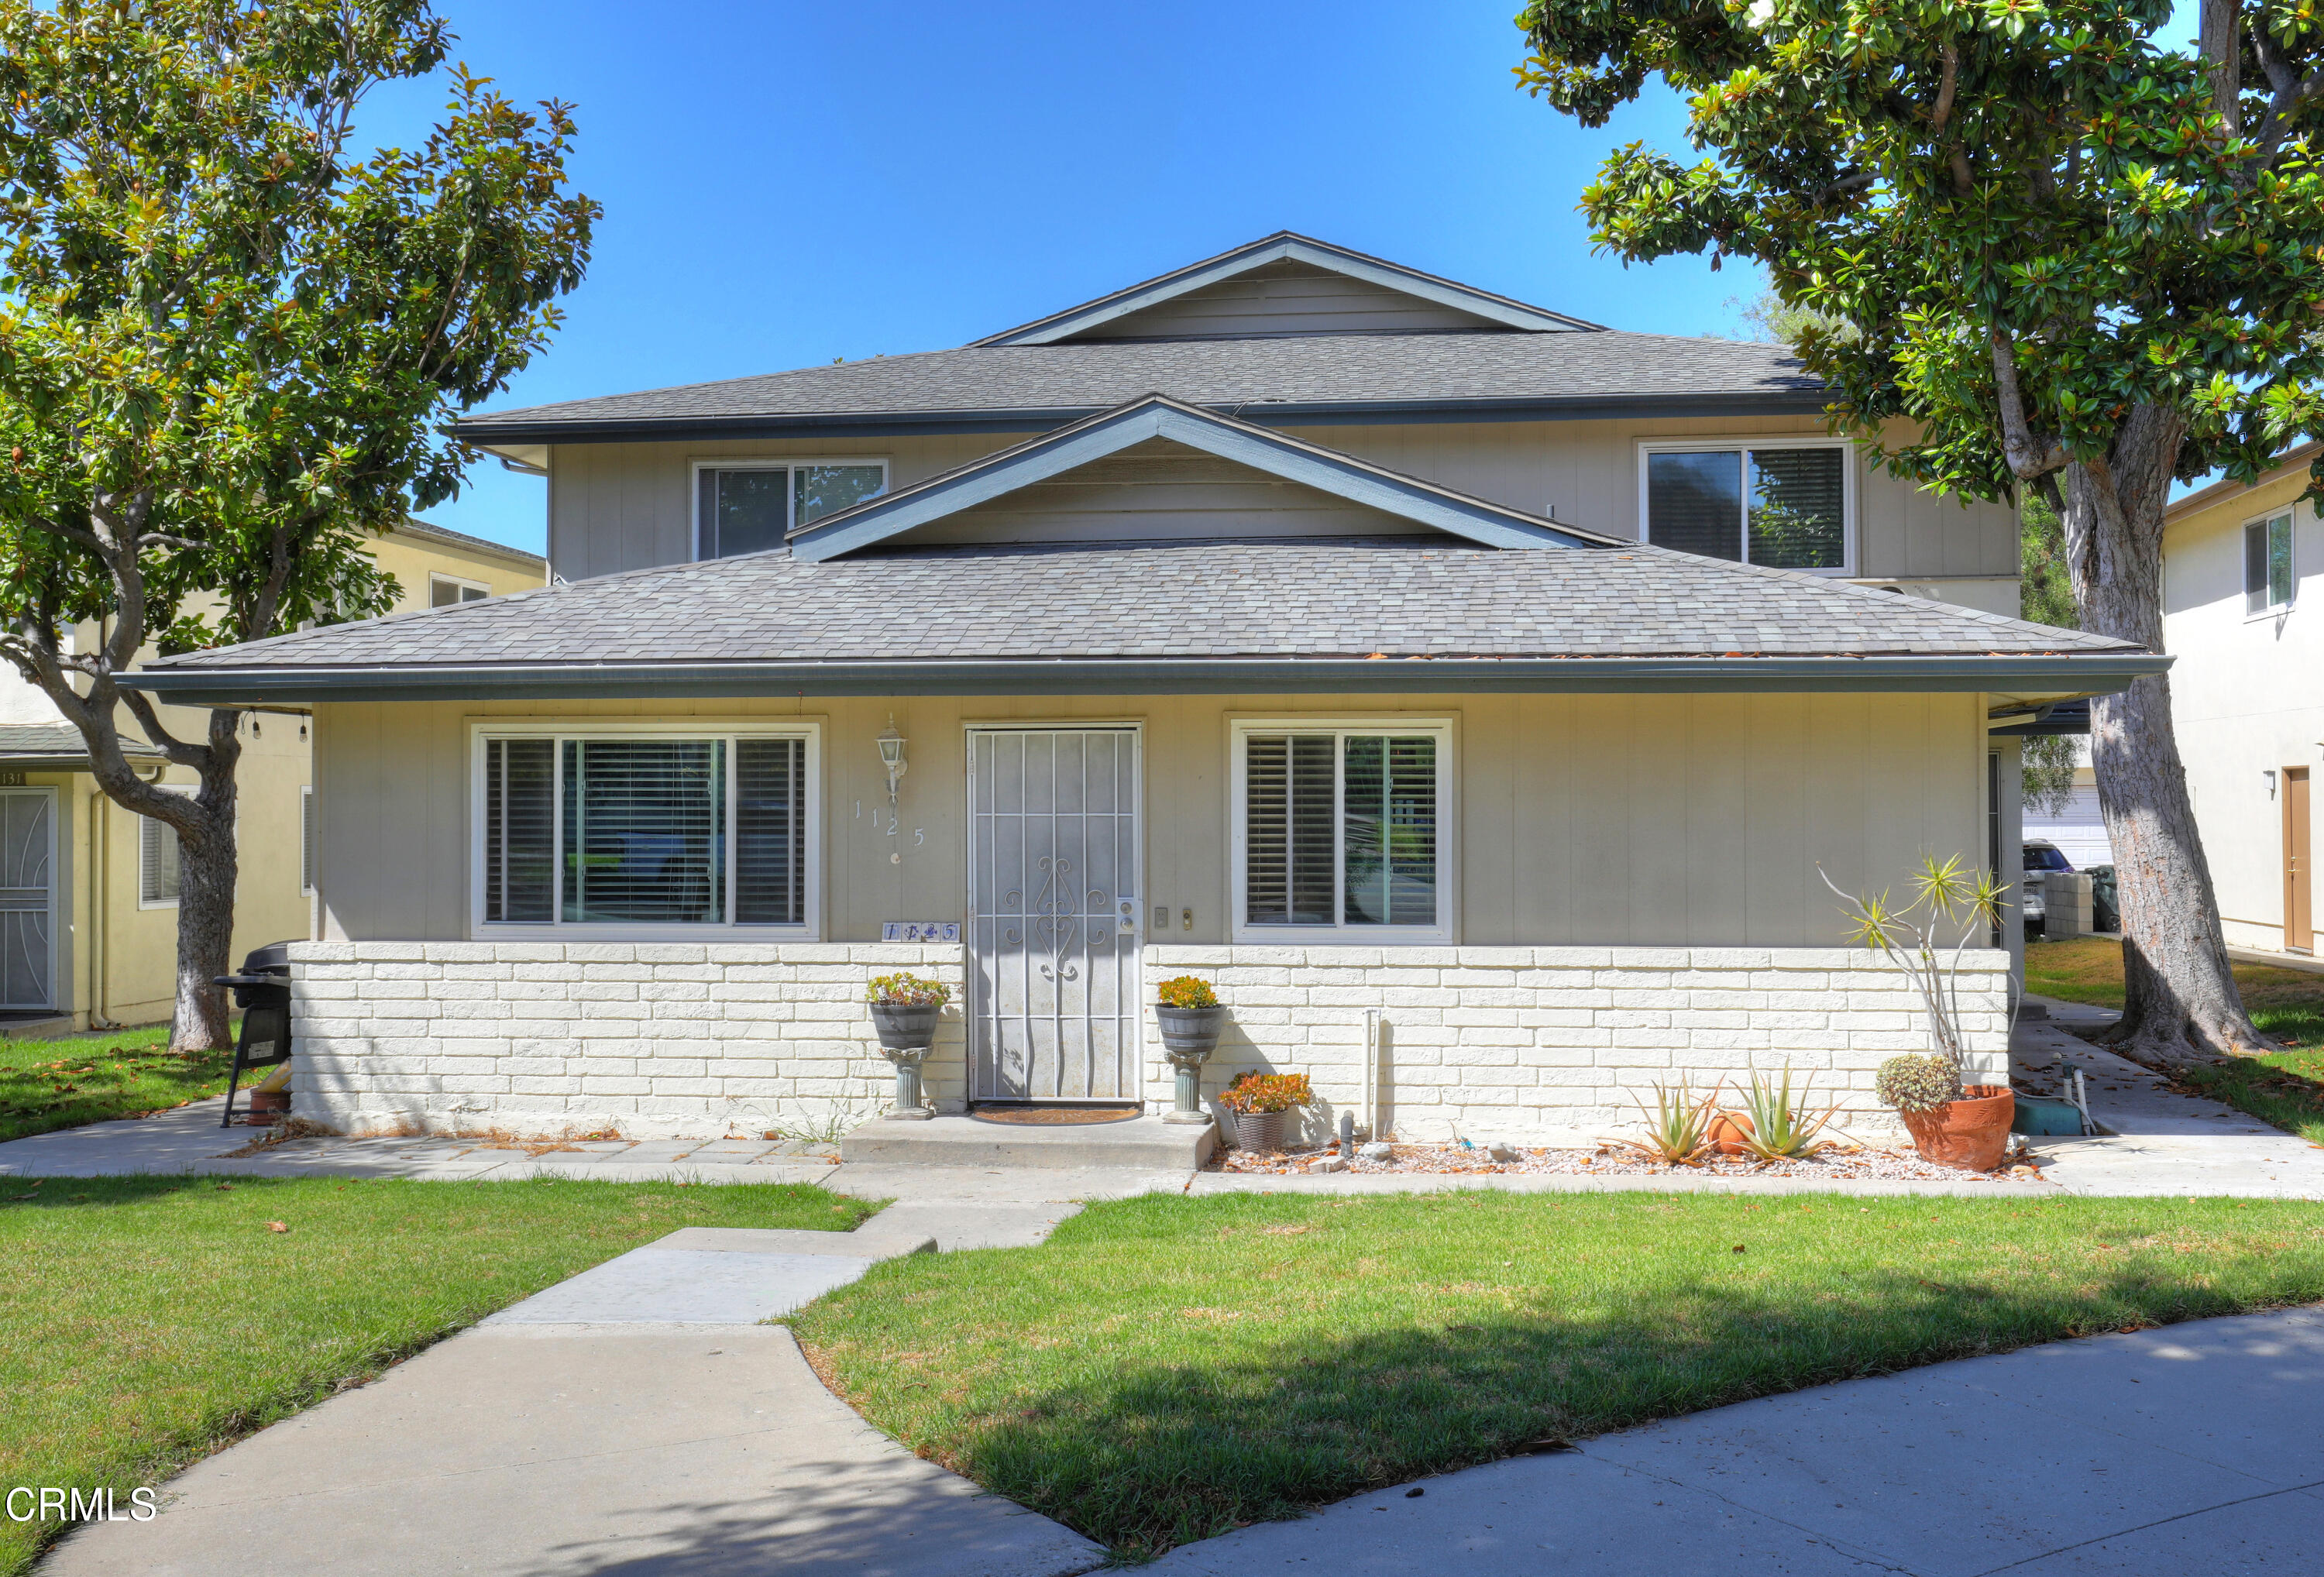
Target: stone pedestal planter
<point>1189,1035</point>
<point>906,1033</point>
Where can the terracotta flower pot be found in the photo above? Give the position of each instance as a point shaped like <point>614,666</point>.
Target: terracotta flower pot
<point>1972,1133</point>
<point>1730,1132</point>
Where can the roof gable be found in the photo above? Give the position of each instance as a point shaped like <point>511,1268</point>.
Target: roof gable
<point>1122,313</point>
<point>879,520</point>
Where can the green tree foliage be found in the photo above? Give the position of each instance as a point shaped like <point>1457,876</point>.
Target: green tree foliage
<point>230,345</point>
<point>2070,263</point>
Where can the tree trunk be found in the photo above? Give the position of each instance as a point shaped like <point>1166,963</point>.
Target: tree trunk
<point>2181,1004</point>
<point>209,863</point>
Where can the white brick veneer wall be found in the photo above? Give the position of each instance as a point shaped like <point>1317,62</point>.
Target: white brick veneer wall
<point>654,1039</point>
<point>1556,1042</point>
<point>695,1039</point>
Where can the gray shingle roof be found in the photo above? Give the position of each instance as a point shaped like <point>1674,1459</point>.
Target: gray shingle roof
<point>22,743</point>
<point>1284,598</point>
<point>1248,377</point>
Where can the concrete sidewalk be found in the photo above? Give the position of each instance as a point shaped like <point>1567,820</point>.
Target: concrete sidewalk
<point>2192,1449</point>
<point>635,1418</point>
<point>2157,1142</point>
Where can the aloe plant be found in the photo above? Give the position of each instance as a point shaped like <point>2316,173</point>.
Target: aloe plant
<point>1678,1128</point>
<point>1780,1130</point>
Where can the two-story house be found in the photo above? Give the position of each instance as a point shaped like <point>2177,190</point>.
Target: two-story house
<point>1474,694</point>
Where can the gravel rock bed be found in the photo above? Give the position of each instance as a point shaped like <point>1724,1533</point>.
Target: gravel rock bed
<point>1849,1163</point>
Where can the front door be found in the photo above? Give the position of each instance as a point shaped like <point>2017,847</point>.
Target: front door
<point>1053,952</point>
<point>2299,913</point>
<point>27,897</point>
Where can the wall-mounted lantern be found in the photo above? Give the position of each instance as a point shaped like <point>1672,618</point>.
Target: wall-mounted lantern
<point>891,756</point>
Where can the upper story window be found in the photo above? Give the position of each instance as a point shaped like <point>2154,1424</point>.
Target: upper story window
<point>1339,831</point>
<point>646,830</point>
<point>2269,581</point>
<point>1788,505</point>
<point>749,507</point>
<point>444,590</point>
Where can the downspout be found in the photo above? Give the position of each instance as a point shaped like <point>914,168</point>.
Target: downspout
<point>99,869</point>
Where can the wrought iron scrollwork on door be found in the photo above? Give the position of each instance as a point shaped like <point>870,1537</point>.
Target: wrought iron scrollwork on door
<point>1057,918</point>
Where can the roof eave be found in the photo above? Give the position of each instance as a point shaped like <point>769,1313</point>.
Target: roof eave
<point>495,436</point>
<point>2044,674</point>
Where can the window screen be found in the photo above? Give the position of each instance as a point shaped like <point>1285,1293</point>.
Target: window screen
<point>160,876</point>
<point>1340,830</point>
<point>1786,508</point>
<point>520,829</point>
<point>645,831</point>
<point>752,510</point>
<point>1289,830</point>
<point>2268,580</point>
<point>636,831</point>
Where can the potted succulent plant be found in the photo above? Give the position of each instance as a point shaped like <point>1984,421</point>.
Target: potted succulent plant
<point>1951,1124</point>
<point>904,1013</point>
<point>1191,1017</point>
<point>1262,1104</point>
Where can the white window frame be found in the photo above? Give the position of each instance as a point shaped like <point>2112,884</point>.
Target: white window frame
<point>436,578</point>
<point>768,463</point>
<point>1340,933</point>
<point>2289,512</point>
<point>309,844</point>
<point>728,729</point>
<point>161,903</point>
<point>1849,506</point>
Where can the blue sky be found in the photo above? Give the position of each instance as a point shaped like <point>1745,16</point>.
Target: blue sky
<point>787,183</point>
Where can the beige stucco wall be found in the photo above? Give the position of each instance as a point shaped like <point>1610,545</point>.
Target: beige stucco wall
<point>2247,695</point>
<point>628,506</point>
<point>1648,820</point>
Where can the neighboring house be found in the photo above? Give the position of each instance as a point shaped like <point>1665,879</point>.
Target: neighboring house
<point>1284,619</point>
<point>2247,693</point>
<point>88,892</point>
<point>2075,826</point>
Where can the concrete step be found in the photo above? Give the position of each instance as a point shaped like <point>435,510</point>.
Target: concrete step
<point>1142,1142</point>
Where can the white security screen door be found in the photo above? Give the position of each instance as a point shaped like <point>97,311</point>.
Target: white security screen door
<point>27,897</point>
<point>1052,954</point>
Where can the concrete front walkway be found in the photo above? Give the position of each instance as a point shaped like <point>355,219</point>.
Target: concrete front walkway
<point>633,1419</point>
<point>2189,1449</point>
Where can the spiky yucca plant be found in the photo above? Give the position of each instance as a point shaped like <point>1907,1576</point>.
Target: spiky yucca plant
<point>1911,934</point>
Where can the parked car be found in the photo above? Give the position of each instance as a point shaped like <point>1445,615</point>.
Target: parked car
<point>2106,908</point>
<point>2040,858</point>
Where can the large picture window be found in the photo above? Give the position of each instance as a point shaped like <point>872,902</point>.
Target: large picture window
<point>1785,506</point>
<point>1340,832</point>
<point>2269,581</point>
<point>752,508</point>
<point>645,831</point>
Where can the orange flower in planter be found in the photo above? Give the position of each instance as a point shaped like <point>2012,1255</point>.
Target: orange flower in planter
<point>1258,1092</point>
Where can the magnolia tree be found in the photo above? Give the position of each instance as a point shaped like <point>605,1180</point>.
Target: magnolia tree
<point>230,344</point>
<point>2061,257</point>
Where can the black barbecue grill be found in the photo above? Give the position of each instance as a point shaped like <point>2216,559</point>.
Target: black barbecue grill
<point>262,991</point>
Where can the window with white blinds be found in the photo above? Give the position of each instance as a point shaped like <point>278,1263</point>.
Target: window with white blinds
<point>159,875</point>
<point>646,832</point>
<point>1339,831</point>
<point>1788,506</point>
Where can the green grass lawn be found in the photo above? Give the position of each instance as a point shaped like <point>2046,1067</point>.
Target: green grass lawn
<point>2285,1088</point>
<point>144,1322</point>
<point>90,1078</point>
<point>1167,1368</point>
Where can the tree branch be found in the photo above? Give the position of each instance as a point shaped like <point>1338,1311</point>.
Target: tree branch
<point>2029,457</point>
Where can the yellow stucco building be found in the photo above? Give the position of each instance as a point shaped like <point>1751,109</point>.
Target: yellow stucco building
<point>88,904</point>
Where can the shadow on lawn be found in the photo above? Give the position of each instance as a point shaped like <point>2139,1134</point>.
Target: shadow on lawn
<point>69,1085</point>
<point>1156,1455</point>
